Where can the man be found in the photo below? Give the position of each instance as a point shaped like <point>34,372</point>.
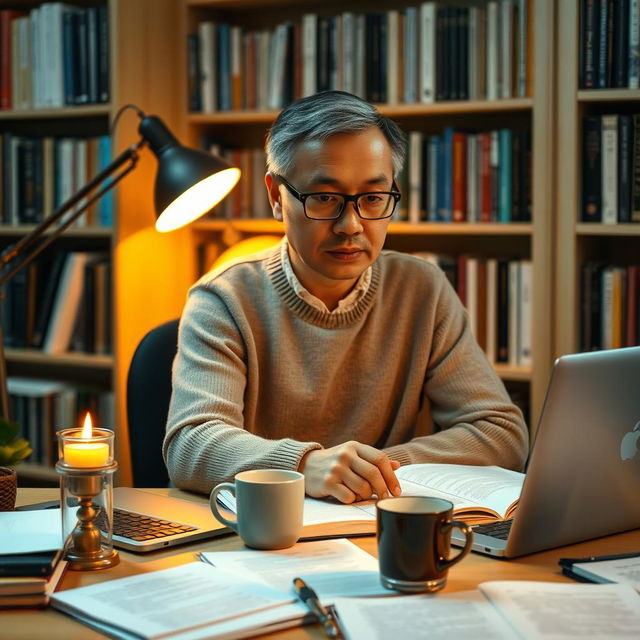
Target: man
<point>325,354</point>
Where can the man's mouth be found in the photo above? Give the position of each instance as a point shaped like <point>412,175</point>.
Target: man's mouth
<point>346,253</point>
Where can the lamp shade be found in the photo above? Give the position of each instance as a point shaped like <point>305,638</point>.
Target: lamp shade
<point>189,182</point>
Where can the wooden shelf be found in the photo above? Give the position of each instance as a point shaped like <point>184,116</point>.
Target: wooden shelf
<point>268,225</point>
<point>243,117</point>
<point>79,360</point>
<point>513,373</point>
<point>608,95</point>
<point>75,232</point>
<point>589,229</point>
<point>90,111</point>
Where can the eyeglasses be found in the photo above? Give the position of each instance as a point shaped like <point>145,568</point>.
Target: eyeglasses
<point>326,205</point>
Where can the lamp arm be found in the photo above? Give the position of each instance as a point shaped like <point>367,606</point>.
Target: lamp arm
<point>26,243</point>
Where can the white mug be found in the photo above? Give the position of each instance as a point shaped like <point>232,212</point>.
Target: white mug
<point>269,506</point>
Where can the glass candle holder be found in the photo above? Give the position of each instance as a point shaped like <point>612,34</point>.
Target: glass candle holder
<point>86,467</point>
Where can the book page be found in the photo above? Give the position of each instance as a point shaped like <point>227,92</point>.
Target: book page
<point>320,511</point>
<point>557,611</point>
<point>623,570</point>
<point>464,485</point>
<point>331,567</point>
<point>30,531</point>
<point>190,597</point>
<point>438,617</point>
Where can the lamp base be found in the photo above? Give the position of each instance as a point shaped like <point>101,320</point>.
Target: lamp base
<point>102,559</point>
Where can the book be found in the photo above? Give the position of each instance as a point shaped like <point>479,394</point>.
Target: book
<point>28,591</point>
<point>624,569</point>
<point>478,494</point>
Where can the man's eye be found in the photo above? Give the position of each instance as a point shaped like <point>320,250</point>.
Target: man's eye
<point>324,198</point>
<point>372,198</point>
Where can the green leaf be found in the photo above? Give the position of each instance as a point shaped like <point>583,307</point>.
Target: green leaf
<point>8,431</point>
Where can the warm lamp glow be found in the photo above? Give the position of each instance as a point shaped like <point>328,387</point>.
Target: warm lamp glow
<point>197,200</point>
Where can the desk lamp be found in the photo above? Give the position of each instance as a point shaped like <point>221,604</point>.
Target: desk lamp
<point>189,182</point>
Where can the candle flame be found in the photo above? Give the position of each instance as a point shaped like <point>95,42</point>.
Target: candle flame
<point>86,429</point>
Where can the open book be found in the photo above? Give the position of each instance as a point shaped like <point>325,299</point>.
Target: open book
<point>478,494</point>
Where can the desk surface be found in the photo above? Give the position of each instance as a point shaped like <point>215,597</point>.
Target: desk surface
<point>30,624</point>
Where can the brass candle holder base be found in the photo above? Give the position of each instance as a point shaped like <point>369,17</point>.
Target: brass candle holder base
<point>87,514</point>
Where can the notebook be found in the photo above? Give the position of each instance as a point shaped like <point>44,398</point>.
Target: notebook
<point>583,475</point>
<point>149,522</point>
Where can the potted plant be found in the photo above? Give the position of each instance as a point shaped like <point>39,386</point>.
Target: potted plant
<point>12,451</point>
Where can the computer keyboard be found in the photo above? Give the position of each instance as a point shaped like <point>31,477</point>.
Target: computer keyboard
<point>498,529</point>
<point>137,526</point>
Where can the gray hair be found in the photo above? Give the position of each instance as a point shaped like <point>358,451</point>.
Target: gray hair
<point>322,115</point>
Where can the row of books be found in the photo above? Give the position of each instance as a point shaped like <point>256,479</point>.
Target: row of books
<point>453,177</point>
<point>43,407</point>
<point>54,55</point>
<point>609,44</point>
<point>37,175</point>
<point>611,168</point>
<point>419,54</point>
<point>467,177</point>
<point>609,306</point>
<point>498,296</point>
<point>60,303</point>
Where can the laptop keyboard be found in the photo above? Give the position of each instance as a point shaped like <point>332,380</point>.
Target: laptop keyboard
<point>498,529</point>
<point>137,526</point>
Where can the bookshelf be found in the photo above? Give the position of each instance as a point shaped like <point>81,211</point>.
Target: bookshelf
<point>145,289</point>
<point>534,110</point>
<point>579,242</point>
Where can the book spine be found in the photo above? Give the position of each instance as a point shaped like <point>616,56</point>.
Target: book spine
<point>409,54</point>
<point>434,156</point>
<point>635,172</point>
<point>236,68</point>
<point>505,177</point>
<point>620,67</point>
<point>610,169</point>
<point>624,168</point>
<point>103,54</point>
<point>592,169</point>
<point>634,44</point>
<point>602,45</point>
<point>70,56</point>
<point>459,168</point>
<point>525,315</point>
<point>224,66</point>
<point>589,44</point>
<point>502,324</point>
<point>485,177</point>
<point>415,175</point>
<point>194,93</point>
<point>514,315</point>
<point>309,53</point>
<point>206,67</point>
<point>427,52</point>
<point>92,54</point>
<point>393,59</point>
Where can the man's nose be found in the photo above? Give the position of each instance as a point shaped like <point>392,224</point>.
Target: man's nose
<point>349,221</point>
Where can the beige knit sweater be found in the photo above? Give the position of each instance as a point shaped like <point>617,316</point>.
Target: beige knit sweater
<point>261,377</point>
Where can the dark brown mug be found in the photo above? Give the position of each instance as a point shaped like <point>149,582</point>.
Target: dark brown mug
<point>414,540</point>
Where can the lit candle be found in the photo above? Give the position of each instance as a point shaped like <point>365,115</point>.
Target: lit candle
<point>86,454</point>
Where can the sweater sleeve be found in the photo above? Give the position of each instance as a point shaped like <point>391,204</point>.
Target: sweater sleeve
<point>476,421</point>
<point>206,442</point>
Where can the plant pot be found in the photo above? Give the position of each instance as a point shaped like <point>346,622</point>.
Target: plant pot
<point>8,486</point>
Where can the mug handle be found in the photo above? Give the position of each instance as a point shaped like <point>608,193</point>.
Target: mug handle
<point>213,503</point>
<point>468,534</point>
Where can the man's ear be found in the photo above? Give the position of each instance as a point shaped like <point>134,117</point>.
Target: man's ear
<point>273,191</point>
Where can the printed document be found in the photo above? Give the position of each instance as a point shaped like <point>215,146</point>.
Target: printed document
<point>332,568</point>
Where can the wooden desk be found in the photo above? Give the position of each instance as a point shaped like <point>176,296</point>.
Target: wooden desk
<point>50,624</point>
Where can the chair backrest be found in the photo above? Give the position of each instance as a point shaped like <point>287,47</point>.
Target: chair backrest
<point>148,396</point>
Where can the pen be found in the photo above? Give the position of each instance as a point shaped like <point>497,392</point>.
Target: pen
<point>309,597</point>
<point>333,536</point>
<point>569,562</point>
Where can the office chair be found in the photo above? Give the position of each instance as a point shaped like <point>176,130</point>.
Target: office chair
<point>148,395</point>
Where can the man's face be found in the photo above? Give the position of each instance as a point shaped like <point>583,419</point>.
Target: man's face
<point>328,256</point>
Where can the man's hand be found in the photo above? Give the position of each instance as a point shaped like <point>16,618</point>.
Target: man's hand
<point>349,472</point>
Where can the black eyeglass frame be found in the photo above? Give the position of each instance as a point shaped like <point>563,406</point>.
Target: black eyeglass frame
<point>302,197</point>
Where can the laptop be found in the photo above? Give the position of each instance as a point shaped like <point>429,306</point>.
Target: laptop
<point>144,521</point>
<point>584,471</point>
